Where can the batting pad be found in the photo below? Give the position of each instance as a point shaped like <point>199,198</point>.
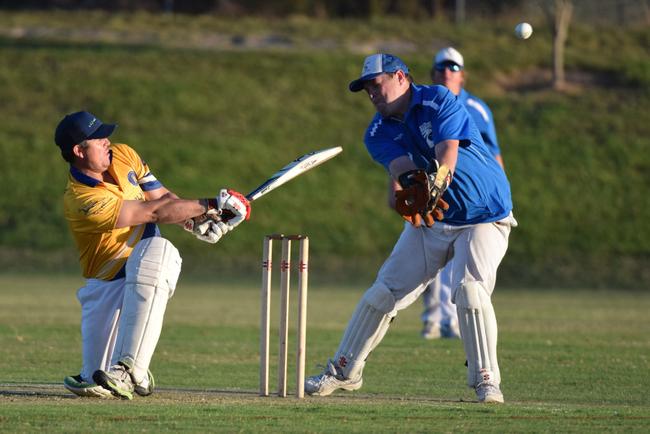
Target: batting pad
<point>367,327</point>
<point>152,271</point>
<point>478,329</point>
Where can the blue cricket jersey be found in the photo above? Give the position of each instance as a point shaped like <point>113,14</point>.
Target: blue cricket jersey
<point>479,191</point>
<point>482,116</point>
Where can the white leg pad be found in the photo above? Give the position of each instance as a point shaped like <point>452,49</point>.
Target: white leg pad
<point>478,329</point>
<point>367,327</point>
<point>152,271</point>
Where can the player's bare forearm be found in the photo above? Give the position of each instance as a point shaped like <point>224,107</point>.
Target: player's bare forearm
<point>178,210</point>
<point>400,165</point>
<point>447,153</point>
<point>393,186</point>
<point>159,193</point>
<point>166,210</point>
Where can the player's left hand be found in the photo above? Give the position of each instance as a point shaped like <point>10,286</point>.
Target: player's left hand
<point>439,180</point>
<point>232,207</point>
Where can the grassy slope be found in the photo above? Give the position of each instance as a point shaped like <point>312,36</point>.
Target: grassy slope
<point>571,362</point>
<point>208,118</point>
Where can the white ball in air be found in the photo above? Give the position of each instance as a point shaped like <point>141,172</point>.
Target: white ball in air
<point>523,30</point>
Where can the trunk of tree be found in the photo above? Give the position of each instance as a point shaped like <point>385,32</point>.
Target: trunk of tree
<point>563,12</point>
<point>559,18</point>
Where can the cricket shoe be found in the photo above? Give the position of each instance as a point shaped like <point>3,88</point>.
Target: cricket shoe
<point>117,379</point>
<point>146,386</point>
<point>431,331</point>
<point>330,380</point>
<point>77,385</point>
<point>489,393</point>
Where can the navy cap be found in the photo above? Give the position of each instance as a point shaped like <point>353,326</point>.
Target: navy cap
<point>77,127</point>
<point>375,65</point>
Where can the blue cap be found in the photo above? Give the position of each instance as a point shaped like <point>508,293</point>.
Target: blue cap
<point>77,127</point>
<point>375,65</point>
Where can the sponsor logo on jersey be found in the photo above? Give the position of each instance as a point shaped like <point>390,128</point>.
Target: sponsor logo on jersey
<point>426,129</point>
<point>373,130</point>
<point>430,103</point>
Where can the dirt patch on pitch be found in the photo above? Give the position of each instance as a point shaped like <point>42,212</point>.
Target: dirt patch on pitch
<point>30,392</point>
<point>541,79</point>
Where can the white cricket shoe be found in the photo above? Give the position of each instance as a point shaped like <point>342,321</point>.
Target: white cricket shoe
<point>117,379</point>
<point>330,380</point>
<point>147,386</point>
<point>431,331</point>
<point>77,385</point>
<point>489,393</point>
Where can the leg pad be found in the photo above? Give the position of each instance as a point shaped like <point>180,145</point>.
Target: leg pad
<point>366,329</point>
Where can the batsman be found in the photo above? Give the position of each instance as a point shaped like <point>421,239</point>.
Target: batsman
<point>113,204</point>
<point>426,140</point>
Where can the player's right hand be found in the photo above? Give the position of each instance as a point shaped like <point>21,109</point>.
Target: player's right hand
<point>420,199</point>
<point>207,227</point>
<point>232,207</point>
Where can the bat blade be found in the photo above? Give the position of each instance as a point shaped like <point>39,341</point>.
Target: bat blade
<point>297,167</point>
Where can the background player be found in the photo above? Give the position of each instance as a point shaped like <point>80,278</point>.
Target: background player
<point>439,317</point>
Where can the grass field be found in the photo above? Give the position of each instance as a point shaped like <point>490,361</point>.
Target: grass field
<point>572,361</point>
<point>206,116</point>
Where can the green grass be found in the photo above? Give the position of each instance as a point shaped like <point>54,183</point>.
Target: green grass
<point>572,361</point>
<point>205,117</point>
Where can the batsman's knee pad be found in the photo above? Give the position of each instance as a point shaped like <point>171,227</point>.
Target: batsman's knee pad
<point>152,272</point>
<point>367,327</point>
<point>478,329</point>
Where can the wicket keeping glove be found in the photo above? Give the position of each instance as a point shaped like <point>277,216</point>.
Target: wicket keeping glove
<point>421,194</point>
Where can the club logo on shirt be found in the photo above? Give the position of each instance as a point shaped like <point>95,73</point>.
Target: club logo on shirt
<point>426,130</point>
<point>132,178</point>
<point>85,209</point>
<point>95,207</point>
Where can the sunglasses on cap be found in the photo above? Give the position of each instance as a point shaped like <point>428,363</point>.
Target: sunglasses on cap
<point>448,65</point>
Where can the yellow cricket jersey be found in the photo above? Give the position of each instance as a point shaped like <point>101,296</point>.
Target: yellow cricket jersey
<point>92,207</point>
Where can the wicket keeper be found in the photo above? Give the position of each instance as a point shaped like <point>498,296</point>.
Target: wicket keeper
<point>423,137</point>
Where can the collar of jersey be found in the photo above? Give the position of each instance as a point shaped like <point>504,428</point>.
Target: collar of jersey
<point>85,179</point>
<point>416,98</point>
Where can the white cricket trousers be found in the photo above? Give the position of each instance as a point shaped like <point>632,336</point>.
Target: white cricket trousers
<point>421,252</point>
<point>438,308</point>
<point>101,303</point>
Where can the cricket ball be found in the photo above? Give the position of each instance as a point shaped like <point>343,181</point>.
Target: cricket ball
<point>523,30</point>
